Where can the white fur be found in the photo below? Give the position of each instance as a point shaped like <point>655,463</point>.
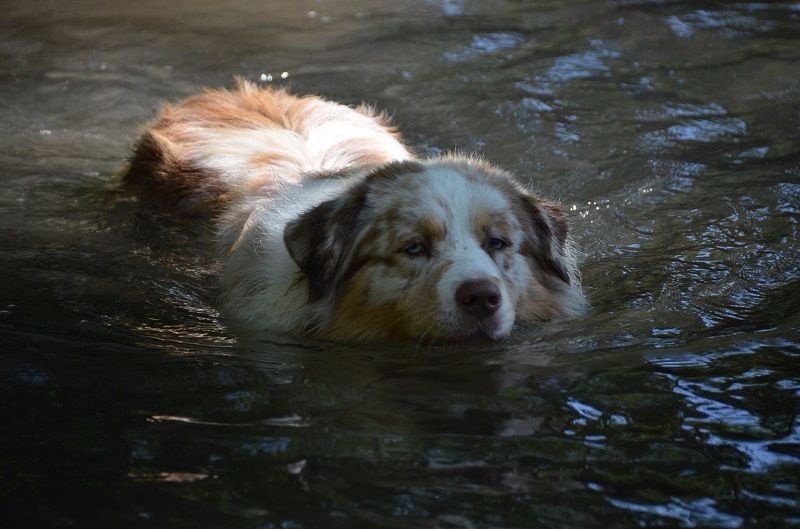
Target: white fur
<point>259,279</point>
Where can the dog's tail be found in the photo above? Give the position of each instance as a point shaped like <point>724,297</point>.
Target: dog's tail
<point>208,149</point>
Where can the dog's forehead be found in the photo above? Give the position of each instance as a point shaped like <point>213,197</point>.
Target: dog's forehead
<point>449,193</point>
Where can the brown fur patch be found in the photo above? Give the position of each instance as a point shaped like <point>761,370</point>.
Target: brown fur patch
<point>492,223</point>
<point>539,235</point>
<point>358,318</point>
<point>320,241</point>
<point>158,170</point>
<point>431,229</point>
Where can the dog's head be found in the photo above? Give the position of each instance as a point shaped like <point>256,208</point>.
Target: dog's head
<point>435,251</point>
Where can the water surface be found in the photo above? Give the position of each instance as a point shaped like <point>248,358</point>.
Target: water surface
<point>670,129</point>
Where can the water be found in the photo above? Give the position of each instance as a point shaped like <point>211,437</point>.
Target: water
<point>669,128</point>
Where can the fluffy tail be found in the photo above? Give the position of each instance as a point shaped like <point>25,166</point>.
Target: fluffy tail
<point>201,153</point>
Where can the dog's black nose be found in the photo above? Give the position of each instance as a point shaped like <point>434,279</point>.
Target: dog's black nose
<point>481,298</point>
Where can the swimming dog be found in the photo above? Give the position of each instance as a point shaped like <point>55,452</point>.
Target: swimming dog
<point>328,226</point>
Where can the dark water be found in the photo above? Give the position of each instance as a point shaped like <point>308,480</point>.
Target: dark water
<point>672,129</point>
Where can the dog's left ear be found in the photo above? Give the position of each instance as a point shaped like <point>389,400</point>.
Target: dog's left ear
<point>546,231</point>
<point>320,240</point>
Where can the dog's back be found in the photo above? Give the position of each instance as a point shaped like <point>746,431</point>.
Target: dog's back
<point>199,155</point>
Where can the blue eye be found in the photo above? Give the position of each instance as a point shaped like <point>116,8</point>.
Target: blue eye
<point>414,249</point>
<point>497,244</point>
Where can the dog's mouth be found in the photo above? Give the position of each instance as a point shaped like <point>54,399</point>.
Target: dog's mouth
<point>494,327</point>
<point>492,330</point>
<point>488,331</point>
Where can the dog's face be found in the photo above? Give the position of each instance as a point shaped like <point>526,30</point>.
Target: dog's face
<point>436,251</point>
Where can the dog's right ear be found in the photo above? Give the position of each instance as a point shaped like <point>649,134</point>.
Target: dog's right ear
<point>545,235</point>
<point>321,240</point>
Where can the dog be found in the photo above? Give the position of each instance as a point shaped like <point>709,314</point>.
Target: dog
<point>328,226</point>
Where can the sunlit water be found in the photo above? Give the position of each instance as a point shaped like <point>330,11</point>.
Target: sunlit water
<point>671,129</point>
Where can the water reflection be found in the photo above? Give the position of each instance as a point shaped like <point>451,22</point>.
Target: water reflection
<point>727,407</point>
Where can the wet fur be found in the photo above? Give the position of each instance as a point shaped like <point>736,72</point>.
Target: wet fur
<point>316,205</point>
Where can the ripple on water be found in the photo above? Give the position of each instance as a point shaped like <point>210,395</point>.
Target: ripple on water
<point>486,44</point>
<point>740,409</point>
<point>788,194</point>
<point>730,22</point>
<point>581,65</point>
<point>687,513</point>
<point>672,110</point>
<point>675,176</point>
<point>706,131</point>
